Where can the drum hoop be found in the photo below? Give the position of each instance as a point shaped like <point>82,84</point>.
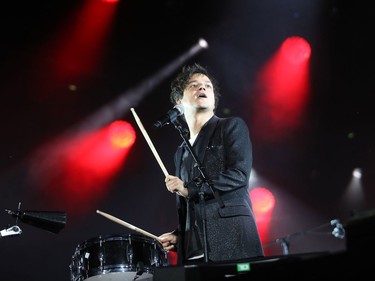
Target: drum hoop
<point>117,237</point>
<point>119,268</point>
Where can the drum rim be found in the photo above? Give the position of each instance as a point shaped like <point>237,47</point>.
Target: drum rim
<point>99,273</point>
<point>121,236</point>
<point>119,268</point>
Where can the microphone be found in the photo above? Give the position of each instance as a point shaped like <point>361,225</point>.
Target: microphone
<point>171,116</point>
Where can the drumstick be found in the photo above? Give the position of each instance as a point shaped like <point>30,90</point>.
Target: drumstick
<point>149,142</point>
<point>128,225</point>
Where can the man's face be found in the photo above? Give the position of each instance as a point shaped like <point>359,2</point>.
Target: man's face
<point>199,94</point>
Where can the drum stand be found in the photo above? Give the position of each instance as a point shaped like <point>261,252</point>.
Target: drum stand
<point>199,184</point>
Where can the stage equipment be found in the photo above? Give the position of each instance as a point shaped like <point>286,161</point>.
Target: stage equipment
<point>52,221</point>
<point>338,232</point>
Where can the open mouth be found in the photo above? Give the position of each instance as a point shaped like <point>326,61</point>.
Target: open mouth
<point>202,95</point>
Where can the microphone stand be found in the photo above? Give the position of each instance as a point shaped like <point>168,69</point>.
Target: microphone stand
<point>198,165</point>
<point>338,232</point>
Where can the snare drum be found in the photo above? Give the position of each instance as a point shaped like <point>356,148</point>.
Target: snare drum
<point>117,258</point>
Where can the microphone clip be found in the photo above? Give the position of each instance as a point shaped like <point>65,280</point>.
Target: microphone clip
<point>170,117</point>
<point>11,231</point>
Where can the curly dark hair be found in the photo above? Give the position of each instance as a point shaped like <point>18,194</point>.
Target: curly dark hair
<point>180,82</point>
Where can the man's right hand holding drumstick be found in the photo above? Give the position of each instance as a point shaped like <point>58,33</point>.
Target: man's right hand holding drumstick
<point>176,185</point>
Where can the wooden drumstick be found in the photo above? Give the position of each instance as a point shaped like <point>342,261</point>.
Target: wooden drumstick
<point>128,225</point>
<point>149,142</point>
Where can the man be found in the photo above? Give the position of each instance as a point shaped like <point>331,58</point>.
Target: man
<point>215,217</point>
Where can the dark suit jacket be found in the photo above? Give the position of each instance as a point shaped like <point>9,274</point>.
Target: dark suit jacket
<point>224,150</point>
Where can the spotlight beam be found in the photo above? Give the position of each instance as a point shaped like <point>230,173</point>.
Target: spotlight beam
<point>131,98</point>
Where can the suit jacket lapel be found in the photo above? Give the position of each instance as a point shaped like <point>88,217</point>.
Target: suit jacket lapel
<point>205,137</point>
<point>199,149</point>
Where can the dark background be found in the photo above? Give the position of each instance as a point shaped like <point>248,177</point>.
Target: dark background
<point>308,172</point>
